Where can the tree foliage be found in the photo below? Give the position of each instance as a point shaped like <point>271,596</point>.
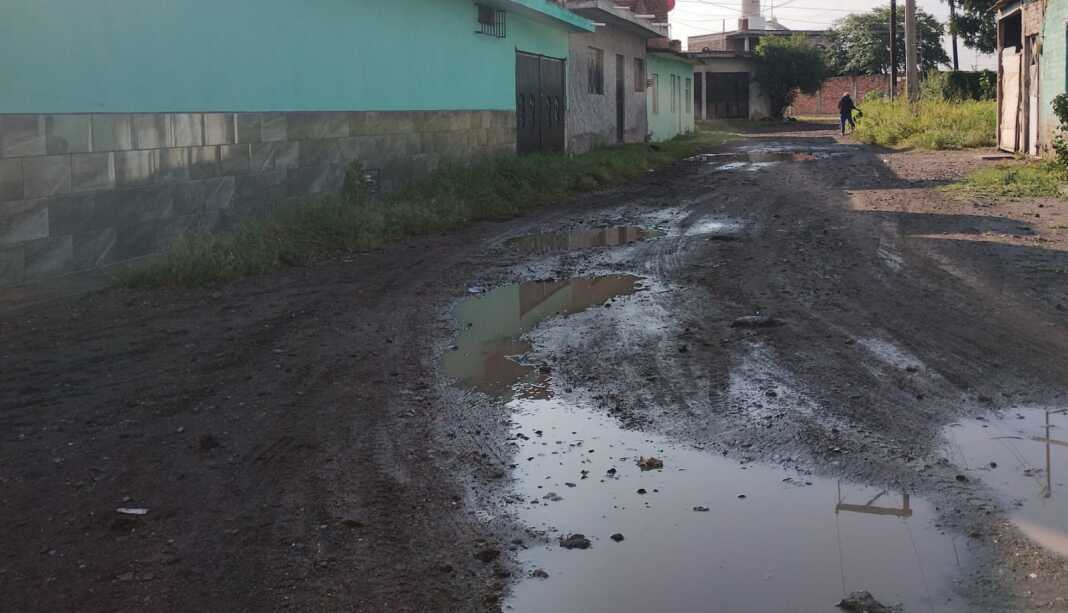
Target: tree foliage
<point>784,66</point>
<point>976,24</point>
<point>860,43</point>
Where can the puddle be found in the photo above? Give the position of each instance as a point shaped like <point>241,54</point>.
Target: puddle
<point>793,543</point>
<point>755,158</point>
<point>580,238</point>
<point>485,352</point>
<point>718,226</point>
<point>1026,462</point>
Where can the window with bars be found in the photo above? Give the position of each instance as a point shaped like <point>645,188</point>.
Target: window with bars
<point>595,71</point>
<point>639,74</point>
<point>491,21</point>
<point>656,94</point>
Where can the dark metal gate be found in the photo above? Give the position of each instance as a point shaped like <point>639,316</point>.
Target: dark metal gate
<point>540,103</point>
<point>727,95</point>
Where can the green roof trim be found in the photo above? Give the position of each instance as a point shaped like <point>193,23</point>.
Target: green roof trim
<point>554,11</point>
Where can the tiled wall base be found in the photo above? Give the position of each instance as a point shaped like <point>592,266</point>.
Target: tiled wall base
<point>82,191</point>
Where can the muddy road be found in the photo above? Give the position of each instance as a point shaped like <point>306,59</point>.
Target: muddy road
<point>846,375</point>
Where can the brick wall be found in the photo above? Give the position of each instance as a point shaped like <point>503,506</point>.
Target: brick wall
<point>82,191</point>
<point>826,101</point>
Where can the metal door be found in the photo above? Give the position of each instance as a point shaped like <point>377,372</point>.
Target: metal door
<point>621,100</point>
<point>528,94</point>
<point>727,95</point>
<point>554,104</point>
<point>540,103</point>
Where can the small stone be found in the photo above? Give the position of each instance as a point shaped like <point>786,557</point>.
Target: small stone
<point>741,495</point>
<point>650,463</point>
<point>962,478</point>
<point>641,491</point>
<point>701,509</point>
<point>487,555</point>
<point>575,541</point>
<point>617,537</point>
<point>993,465</point>
<point>538,573</point>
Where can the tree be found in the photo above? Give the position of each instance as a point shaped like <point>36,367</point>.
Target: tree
<point>860,43</point>
<point>784,66</point>
<point>976,24</point>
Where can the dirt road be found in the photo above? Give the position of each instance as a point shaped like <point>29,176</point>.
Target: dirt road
<point>377,433</point>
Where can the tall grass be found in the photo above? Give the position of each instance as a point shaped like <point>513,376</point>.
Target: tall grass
<point>928,124</point>
<point>497,188</point>
<point>1032,180</point>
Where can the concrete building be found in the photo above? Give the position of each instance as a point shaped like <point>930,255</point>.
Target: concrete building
<point>1031,72</point>
<point>751,27</point>
<point>724,87</point>
<point>607,76</point>
<point>124,124</point>
<point>671,111</point>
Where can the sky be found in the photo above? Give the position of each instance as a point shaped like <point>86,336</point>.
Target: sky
<point>692,17</point>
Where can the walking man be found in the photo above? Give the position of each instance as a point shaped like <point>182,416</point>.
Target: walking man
<point>845,112</point>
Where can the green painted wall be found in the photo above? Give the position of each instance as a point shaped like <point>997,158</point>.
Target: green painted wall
<point>1054,68</point>
<point>665,124</point>
<point>67,56</point>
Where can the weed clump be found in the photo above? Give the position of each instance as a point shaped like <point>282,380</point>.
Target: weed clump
<point>457,194</point>
<point>928,124</point>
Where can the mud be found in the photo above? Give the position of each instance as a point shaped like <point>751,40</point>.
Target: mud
<point>298,444</point>
<point>579,238</point>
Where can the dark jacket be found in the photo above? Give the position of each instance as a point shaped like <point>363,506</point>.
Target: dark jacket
<point>846,106</point>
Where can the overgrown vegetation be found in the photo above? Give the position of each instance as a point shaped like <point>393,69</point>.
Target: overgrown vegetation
<point>497,188</point>
<point>786,66</point>
<point>928,124</point>
<point>960,85</point>
<point>1035,180</point>
<point>1060,147</point>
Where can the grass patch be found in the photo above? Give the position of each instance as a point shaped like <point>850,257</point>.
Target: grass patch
<point>497,188</point>
<point>929,124</point>
<point>1035,180</point>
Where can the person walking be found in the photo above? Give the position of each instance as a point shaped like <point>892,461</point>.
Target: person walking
<point>845,112</point>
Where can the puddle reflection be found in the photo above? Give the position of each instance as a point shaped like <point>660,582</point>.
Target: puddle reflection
<point>1021,455</point>
<point>707,534</point>
<point>580,238</point>
<point>485,352</point>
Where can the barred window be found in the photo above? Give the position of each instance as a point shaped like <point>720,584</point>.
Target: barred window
<point>491,21</point>
<point>639,74</point>
<point>656,94</point>
<point>595,71</point>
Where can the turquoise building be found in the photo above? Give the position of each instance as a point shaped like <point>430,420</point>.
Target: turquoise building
<point>124,123</point>
<point>670,92</point>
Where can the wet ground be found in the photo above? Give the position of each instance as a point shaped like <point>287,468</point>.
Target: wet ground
<point>805,332</point>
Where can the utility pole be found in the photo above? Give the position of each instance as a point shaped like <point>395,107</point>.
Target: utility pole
<point>893,49</point>
<point>953,31</point>
<point>912,74</point>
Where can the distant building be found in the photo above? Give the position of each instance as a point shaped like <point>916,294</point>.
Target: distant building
<point>723,77</point>
<point>671,110</point>
<point>606,85</point>
<point>1031,72</point>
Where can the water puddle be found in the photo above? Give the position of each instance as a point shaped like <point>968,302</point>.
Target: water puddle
<point>756,158</point>
<point>1024,457</point>
<point>580,238</point>
<point>485,353</point>
<point>705,533</point>
<point>725,227</point>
